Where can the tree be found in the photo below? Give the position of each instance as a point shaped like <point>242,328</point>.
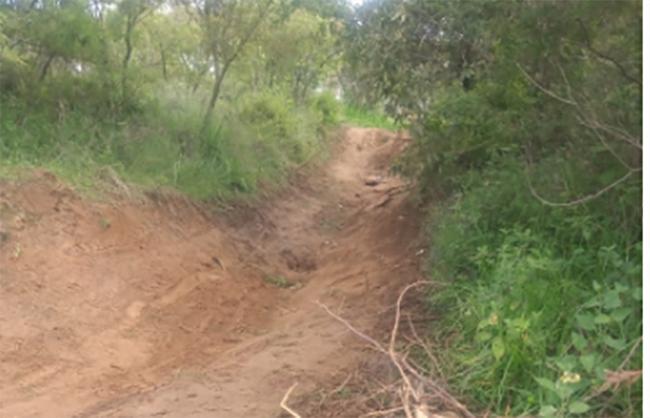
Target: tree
<point>227,26</point>
<point>132,11</point>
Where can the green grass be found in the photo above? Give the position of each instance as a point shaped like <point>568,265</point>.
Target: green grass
<point>162,145</point>
<point>278,281</point>
<point>366,118</point>
<point>537,302</point>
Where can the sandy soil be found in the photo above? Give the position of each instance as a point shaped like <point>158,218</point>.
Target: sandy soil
<point>149,307</point>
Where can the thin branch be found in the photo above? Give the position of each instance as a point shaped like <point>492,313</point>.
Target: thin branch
<point>283,403</point>
<point>409,396</point>
<point>545,90</point>
<point>383,412</point>
<point>349,326</point>
<point>630,354</point>
<point>605,144</point>
<point>424,347</point>
<point>587,45</point>
<point>614,131</point>
<point>581,200</point>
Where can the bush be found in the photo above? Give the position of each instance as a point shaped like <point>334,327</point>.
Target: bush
<point>327,107</point>
<point>542,301</point>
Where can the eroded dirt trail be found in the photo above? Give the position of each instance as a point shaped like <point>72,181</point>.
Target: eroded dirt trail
<point>153,308</point>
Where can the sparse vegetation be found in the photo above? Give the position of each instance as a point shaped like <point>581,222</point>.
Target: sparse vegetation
<point>279,281</point>
<point>368,118</point>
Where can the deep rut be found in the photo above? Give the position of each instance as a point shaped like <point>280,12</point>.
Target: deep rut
<point>153,308</point>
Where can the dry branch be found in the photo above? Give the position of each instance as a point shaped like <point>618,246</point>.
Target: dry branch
<point>283,403</point>
<point>413,402</point>
<point>583,199</point>
<point>596,127</point>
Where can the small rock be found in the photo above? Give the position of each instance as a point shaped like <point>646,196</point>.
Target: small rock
<point>4,235</point>
<point>19,222</point>
<point>372,180</point>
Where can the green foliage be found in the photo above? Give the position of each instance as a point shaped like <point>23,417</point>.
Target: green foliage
<point>165,145</point>
<point>327,107</point>
<point>367,118</point>
<point>527,116</point>
<point>202,99</point>
<point>278,281</point>
<point>535,293</point>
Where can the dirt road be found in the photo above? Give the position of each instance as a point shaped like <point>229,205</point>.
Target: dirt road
<point>152,307</point>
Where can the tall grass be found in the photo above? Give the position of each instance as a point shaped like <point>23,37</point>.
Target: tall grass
<point>367,118</point>
<point>162,144</point>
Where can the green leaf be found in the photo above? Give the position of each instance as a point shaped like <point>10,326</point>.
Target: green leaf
<point>547,411</point>
<point>483,336</point>
<point>565,391</point>
<point>621,287</point>
<point>579,342</point>
<point>611,299</point>
<point>588,361</point>
<point>602,319</point>
<point>483,323</point>
<point>567,362</point>
<point>546,384</point>
<point>498,348</point>
<point>578,407</point>
<point>586,321</point>
<point>615,343</point>
<point>620,314</point>
<point>595,301</point>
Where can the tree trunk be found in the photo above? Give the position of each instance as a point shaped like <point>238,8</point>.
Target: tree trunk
<point>216,90</point>
<point>46,66</point>
<point>163,60</point>
<point>130,21</point>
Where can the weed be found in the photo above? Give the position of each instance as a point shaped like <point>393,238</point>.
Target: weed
<point>105,223</point>
<point>279,281</point>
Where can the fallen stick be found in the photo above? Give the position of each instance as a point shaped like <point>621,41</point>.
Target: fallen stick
<point>407,393</point>
<point>283,404</point>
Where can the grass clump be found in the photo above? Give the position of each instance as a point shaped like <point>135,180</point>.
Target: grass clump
<point>279,281</point>
<point>163,144</point>
<point>367,118</point>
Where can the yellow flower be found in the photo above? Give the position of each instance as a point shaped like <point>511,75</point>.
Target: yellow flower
<point>569,377</point>
<point>494,319</point>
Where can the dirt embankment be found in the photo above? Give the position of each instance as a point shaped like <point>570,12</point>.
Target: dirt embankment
<point>153,307</point>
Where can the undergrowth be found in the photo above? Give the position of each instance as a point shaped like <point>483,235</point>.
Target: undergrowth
<point>539,303</point>
<point>161,144</point>
<point>367,118</point>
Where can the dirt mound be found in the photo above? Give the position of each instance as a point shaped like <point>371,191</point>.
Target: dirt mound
<point>153,307</point>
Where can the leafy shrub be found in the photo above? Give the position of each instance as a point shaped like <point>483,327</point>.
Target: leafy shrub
<point>327,107</point>
<point>541,300</point>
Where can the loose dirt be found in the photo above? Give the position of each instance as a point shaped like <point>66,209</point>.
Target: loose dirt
<point>154,307</point>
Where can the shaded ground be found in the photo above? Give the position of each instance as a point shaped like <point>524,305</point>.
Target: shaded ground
<point>152,307</point>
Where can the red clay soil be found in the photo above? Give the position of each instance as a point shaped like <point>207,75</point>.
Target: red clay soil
<point>153,307</point>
